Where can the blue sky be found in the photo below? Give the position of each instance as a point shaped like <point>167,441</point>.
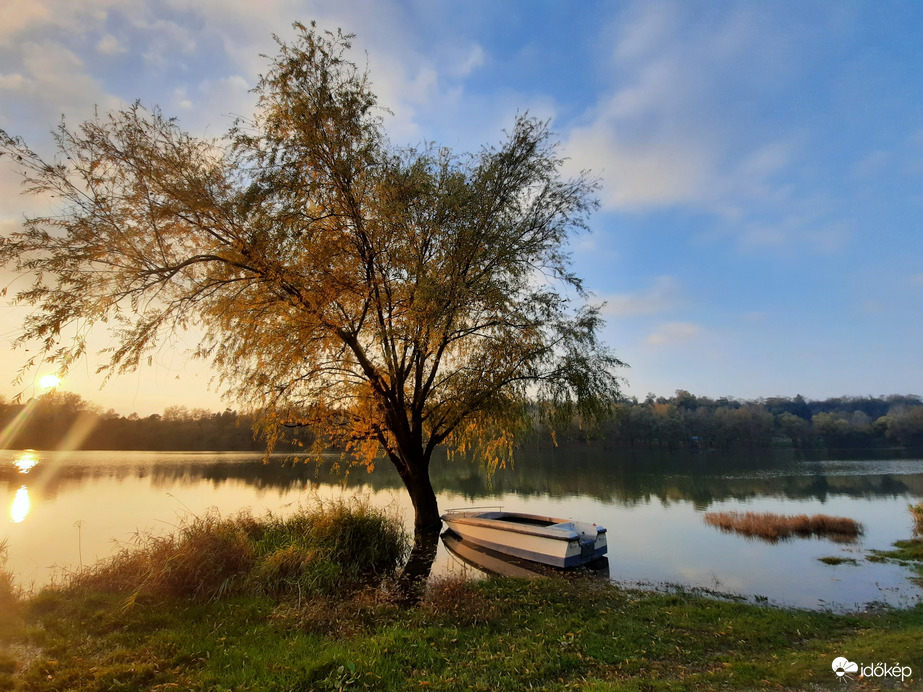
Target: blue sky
<point>761,163</point>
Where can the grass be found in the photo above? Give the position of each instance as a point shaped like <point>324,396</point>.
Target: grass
<point>10,622</point>
<point>775,527</point>
<point>495,634</point>
<point>838,560</point>
<point>909,552</point>
<point>333,546</point>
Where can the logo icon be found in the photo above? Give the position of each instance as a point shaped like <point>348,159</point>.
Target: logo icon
<point>842,665</point>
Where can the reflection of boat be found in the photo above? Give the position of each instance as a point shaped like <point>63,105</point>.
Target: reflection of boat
<point>492,562</point>
<point>557,542</point>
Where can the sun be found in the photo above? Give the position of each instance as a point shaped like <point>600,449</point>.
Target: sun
<point>49,381</point>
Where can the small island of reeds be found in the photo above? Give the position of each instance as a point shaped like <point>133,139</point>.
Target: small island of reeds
<point>774,527</point>
<point>916,512</point>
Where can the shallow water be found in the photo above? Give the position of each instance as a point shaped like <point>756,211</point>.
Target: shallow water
<point>64,510</point>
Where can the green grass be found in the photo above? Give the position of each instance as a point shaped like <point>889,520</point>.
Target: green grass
<point>492,635</point>
<point>908,552</point>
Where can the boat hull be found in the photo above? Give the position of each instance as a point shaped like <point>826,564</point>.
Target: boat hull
<point>548,540</point>
<point>491,562</point>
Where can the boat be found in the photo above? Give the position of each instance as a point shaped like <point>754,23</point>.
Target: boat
<point>549,540</point>
<point>491,562</point>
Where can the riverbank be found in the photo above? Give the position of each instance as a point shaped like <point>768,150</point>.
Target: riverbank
<point>278,626</point>
<point>495,634</point>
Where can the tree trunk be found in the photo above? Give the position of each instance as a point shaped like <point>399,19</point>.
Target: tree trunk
<point>426,509</point>
<point>415,475</point>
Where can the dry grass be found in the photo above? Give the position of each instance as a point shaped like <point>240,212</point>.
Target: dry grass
<point>775,527</point>
<point>202,559</point>
<point>9,596</point>
<point>7,584</point>
<point>916,511</point>
<point>458,599</point>
<point>329,548</point>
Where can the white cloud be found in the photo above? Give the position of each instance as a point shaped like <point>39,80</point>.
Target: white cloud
<point>663,296</point>
<point>55,80</point>
<point>110,45</point>
<point>166,40</point>
<point>12,81</point>
<point>639,174</point>
<point>683,124</point>
<point>665,134</point>
<point>476,58</point>
<point>216,103</point>
<point>23,16</point>
<point>673,333</point>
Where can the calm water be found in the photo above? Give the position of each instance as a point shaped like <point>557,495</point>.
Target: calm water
<point>62,510</point>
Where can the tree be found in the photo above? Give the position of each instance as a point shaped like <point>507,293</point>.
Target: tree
<point>392,299</point>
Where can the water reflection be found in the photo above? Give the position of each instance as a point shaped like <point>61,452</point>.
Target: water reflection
<point>411,583</point>
<point>26,461</point>
<point>652,504</point>
<point>21,505</point>
<point>622,478</point>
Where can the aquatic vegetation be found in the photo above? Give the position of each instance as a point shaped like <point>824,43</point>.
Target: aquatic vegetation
<point>774,527</point>
<point>838,560</point>
<point>916,511</point>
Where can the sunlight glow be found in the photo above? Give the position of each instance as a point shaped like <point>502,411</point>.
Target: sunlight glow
<point>21,505</point>
<point>15,425</point>
<point>49,381</point>
<point>26,461</point>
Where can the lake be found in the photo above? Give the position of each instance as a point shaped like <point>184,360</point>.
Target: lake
<point>67,509</point>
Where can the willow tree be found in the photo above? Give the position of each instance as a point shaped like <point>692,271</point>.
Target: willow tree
<point>392,299</point>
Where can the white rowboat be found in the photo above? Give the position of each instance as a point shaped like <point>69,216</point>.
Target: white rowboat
<point>551,541</point>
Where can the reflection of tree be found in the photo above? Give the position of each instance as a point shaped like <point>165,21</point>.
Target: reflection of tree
<point>411,583</point>
<point>615,478</point>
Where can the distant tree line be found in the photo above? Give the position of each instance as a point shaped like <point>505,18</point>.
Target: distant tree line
<point>63,420</point>
<point>685,420</point>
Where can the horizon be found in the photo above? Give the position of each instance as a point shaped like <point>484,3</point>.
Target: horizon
<point>759,220</point>
<point>623,399</point>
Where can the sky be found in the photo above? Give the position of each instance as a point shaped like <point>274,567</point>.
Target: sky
<point>759,230</point>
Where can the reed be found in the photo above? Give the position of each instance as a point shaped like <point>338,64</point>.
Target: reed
<point>325,549</point>
<point>9,593</point>
<point>916,511</point>
<point>774,527</point>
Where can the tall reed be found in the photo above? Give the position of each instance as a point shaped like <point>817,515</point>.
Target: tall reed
<point>8,591</point>
<point>773,527</point>
<point>916,511</point>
